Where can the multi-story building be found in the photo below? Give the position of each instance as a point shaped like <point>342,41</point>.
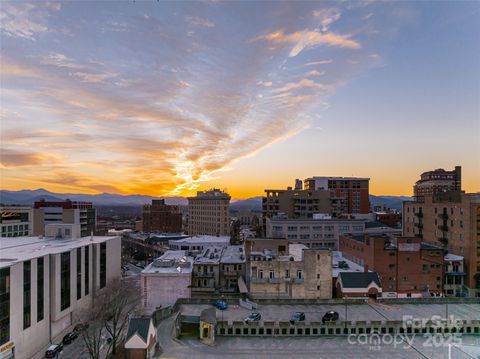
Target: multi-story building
<point>454,275</point>
<point>206,270</point>
<point>314,233</point>
<point>16,221</point>
<point>407,267</point>
<point>47,282</point>
<point>160,217</point>
<point>167,279</point>
<point>208,213</point>
<point>438,181</point>
<point>302,274</point>
<point>196,244</point>
<point>46,212</point>
<point>353,192</point>
<point>449,219</point>
<point>232,268</point>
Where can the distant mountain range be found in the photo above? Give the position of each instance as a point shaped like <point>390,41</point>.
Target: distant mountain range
<point>28,197</point>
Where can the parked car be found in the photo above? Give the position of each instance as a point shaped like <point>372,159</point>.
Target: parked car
<point>297,317</point>
<point>80,327</point>
<point>330,317</point>
<point>70,337</point>
<point>53,350</point>
<point>254,317</point>
<point>220,304</point>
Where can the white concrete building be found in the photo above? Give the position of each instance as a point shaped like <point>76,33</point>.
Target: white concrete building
<point>314,233</point>
<point>195,245</point>
<point>165,280</point>
<point>45,283</point>
<point>16,221</point>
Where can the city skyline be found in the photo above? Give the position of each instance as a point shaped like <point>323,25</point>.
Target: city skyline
<point>166,99</point>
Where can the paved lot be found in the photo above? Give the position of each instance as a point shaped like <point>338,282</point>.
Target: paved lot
<point>353,312</point>
<point>319,347</point>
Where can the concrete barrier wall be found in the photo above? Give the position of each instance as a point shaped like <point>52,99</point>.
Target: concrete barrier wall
<point>238,328</point>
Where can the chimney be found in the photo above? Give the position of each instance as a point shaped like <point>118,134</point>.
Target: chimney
<point>365,268</point>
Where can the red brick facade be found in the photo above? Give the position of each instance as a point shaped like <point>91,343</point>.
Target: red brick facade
<point>405,265</point>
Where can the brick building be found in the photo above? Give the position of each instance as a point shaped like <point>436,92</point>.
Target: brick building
<point>407,267</point>
<point>302,274</point>
<point>353,192</point>
<point>451,220</point>
<point>209,213</point>
<point>160,217</point>
<point>437,181</point>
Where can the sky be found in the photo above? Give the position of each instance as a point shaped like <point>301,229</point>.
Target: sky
<point>167,98</point>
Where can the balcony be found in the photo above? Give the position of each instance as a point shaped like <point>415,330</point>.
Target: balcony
<point>230,273</point>
<point>258,280</point>
<point>443,216</point>
<point>275,280</point>
<point>419,225</point>
<point>443,240</point>
<point>419,214</point>
<point>204,274</point>
<point>443,228</point>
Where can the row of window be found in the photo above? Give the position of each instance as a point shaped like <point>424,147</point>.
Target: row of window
<point>271,274</point>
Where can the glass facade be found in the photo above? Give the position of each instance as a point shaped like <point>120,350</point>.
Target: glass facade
<point>40,289</point>
<point>65,281</point>
<point>27,294</point>
<point>4,305</point>
<point>103,265</point>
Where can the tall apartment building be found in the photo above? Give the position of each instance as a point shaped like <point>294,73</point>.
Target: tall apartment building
<point>160,217</point>
<point>302,274</point>
<point>298,203</point>
<point>46,212</point>
<point>452,220</point>
<point>437,181</point>
<point>208,213</point>
<point>407,267</point>
<point>47,282</point>
<point>353,192</point>
<point>16,221</point>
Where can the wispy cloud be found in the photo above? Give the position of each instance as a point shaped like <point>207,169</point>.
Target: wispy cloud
<point>308,39</point>
<point>198,21</point>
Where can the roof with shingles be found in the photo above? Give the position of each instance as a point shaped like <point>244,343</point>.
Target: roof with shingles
<point>359,279</point>
<point>138,326</point>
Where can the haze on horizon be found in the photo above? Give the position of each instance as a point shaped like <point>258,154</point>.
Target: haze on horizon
<point>164,98</point>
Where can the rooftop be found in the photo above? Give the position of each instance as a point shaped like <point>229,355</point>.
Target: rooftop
<point>358,279</point>
<point>172,262</point>
<point>337,258</point>
<point>337,178</point>
<point>210,255</point>
<point>19,249</point>
<point>233,254</point>
<point>203,240</point>
<point>453,257</point>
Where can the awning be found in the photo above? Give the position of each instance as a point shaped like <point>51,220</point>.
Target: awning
<point>242,287</point>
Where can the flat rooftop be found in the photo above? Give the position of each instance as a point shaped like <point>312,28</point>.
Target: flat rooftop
<point>352,266</point>
<point>210,255</point>
<point>171,262</point>
<point>352,312</point>
<point>202,240</point>
<point>233,254</point>
<point>19,249</point>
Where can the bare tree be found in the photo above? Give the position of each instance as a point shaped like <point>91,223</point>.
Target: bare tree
<point>119,299</point>
<point>92,335</point>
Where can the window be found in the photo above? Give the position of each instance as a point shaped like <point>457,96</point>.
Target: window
<point>425,267</point>
<point>87,269</point>
<point>271,275</point>
<point>260,274</point>
<point>292,229</point>
<point>65,280</point>
<point>4,305</point>
<point>79,273</point>
<point>27,291</point>
<point>103,264</point>
<point>40,292</point>
<point>299,274</point>
<point>287,273</point>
